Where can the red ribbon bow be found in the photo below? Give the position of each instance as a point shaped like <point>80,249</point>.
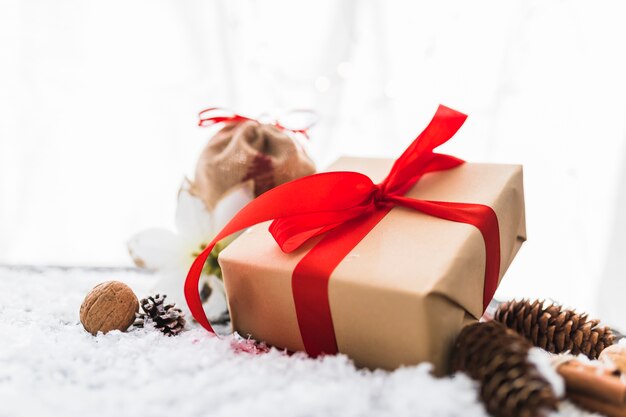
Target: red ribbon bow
<point>215,115</point>
<point>345,207</point>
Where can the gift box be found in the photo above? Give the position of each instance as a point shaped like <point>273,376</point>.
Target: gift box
<point>404,292</point>
<point>387,273</point>
<point>246,150</point>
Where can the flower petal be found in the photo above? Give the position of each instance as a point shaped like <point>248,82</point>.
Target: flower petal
<point>192,218</point>
<point>215,307</point>
<point>233,201</point>
<point>171,283</point>
<point>153,248</point>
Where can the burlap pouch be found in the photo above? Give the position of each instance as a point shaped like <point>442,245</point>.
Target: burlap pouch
<point>248,151</point>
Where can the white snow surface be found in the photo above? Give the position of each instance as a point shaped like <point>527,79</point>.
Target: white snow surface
<point>50,366</point>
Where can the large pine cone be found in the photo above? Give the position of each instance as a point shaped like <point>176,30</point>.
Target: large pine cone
<point>166,317</point>
<point>510,385</point>
<point>555,328</point>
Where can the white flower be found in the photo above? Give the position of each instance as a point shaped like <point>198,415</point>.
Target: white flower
<point>171,254</point>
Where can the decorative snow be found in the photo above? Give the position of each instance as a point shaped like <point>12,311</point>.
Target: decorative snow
<point>543,361</point>
<point>50,366</point>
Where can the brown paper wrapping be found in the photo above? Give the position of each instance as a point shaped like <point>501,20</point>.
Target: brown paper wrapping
<point>404,292</point>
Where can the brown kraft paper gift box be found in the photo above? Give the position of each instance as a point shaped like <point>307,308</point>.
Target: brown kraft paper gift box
<point>404,292</point>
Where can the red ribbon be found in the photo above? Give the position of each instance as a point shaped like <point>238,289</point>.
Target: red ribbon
<point>214,115</point>
<point>345,207</point>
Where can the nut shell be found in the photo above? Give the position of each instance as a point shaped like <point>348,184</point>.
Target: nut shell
<point>614,355</point>
<point>109,306</point>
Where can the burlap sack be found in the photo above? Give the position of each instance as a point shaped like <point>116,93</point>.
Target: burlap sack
<point>248,151</point>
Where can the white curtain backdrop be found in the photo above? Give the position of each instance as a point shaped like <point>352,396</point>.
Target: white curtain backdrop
<point>98,104</point>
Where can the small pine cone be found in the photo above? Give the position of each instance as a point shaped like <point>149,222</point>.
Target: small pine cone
<point>510,385</point>
<point>555,328</point>
<point>140,320</point>
<point>166,317</point>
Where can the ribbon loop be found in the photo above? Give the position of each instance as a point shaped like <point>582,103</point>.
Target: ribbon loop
<point>215,115</point>
<point>414,161</point>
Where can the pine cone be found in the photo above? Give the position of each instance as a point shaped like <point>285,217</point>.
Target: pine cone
<point>510,385</point>
<point>555,328</point>
<point>166,317</point>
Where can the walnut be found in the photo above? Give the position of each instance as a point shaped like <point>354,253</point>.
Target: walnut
<point>615,355</point>
<point>109,306</point>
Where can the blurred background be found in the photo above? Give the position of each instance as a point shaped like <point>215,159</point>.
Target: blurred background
<point>99,103</point>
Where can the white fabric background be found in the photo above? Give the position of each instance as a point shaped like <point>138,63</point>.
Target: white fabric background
<point>98,104</point>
